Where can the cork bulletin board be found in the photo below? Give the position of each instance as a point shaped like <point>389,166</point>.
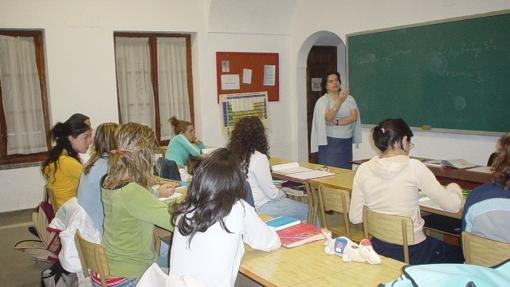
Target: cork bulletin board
<point>243,72</point>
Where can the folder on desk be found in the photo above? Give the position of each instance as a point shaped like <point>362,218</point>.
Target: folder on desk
<point>458,163</point>
<point>293,170</point>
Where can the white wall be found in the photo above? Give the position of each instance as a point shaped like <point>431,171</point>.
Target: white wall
<point>357,16</point>
<point>81,67</point>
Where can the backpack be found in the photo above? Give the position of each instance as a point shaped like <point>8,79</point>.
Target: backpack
<point>453,275</point>
<point>56,276</point>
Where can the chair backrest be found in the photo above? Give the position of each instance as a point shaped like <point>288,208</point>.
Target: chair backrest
<point>483,251</point>
<point>394,229</point>
<point>168,169</point>
<point>337,200</point>
<point>92,257</point>
<point>249,194</point>
<point>51,199</point>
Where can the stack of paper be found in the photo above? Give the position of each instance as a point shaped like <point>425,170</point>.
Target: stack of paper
<point>458,163</point>
<point>293,170</point>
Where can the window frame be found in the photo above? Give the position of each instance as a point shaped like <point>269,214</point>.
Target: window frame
<point>5,159</point>
<point>153,56</point>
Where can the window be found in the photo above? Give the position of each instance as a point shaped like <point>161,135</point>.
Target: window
<point>24,122</point>
<point>154,79</point>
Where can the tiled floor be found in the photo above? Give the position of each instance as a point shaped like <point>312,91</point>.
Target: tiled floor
<point>16,268</point>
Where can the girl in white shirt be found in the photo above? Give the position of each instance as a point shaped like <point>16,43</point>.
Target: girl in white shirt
<point>249,143</point>
<point>390,183</point>
<point>214,222</point>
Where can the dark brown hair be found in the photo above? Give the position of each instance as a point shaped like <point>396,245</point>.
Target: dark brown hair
<point>389,132</point>
<point>248,136</point>
<point>217,185</point>
<point>179,126</point>
<point>501,165</point>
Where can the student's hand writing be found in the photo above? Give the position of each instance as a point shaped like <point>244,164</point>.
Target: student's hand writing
<point>167,189</point>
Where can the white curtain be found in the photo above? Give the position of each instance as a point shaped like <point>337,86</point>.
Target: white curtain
<point>21,94</point>
<point>172,82</point>
<point>136,97</point>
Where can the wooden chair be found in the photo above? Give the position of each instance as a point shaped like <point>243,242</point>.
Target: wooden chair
<point>312,191</point>
<point>394,229</point>
<point>483,251</point>
<point>337,200</point>
<point>50,198</point>
<point>93,258</point>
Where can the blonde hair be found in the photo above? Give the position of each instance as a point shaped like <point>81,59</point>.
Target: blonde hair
<point>133,160</point>
<point>179,126</point>
<point>104,142</point>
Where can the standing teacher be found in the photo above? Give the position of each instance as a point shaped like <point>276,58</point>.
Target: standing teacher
<point>336,125</point>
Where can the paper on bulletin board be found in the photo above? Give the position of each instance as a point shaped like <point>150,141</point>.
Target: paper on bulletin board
<point>269,75</point>
<point>230,82</point>
<point>316,84</point>
<point>247,76</point>
<point>225,66</point>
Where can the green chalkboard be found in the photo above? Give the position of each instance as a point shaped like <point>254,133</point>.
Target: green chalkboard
<point>449,75</point>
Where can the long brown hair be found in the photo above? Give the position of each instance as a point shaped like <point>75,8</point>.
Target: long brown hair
<point>104,142</point>
<point>248,136</point>
<point>501,165</point>
<point>133,160</point>
<point>218,183</point>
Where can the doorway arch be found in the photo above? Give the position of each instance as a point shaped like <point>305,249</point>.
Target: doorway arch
<point>325,38</point>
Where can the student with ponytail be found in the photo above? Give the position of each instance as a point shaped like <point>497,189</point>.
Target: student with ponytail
<point>184,144</point>
<point>130,209</point>
<point>389,183</point>
<point>63,167</point>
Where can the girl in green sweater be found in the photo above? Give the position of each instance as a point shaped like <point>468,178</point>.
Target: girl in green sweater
<point>131,210</point>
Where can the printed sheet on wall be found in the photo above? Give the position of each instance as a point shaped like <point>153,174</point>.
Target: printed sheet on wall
<point>236,106</point>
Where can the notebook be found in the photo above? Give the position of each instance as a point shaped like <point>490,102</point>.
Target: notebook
<point>299,234</point>
<point>282,222</point>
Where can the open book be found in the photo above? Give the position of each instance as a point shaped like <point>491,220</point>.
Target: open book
<point>458,163</point>
<point>292,169</point>
<point>299,234</point>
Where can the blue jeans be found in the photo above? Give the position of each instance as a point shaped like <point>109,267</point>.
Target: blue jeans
<point>162,259</point>
<point>285,207</point>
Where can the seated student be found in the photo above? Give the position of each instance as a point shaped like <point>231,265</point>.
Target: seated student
<point>214,221</point>
<point>63,167</point>
<point>389,183</point>
<point>249,143</point>
<point>487,208</point>
<point>89,190</point>
<point>130,209</point>
<point>184,144</point>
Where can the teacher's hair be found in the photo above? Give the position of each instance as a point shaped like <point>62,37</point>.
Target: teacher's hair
<point>248,136</point>
<point>501,165</point>
<point>390,132</point>
<point>217,185</point>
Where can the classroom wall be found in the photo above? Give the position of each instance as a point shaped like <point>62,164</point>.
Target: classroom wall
<point>81,68</point>
<point>357,16</point>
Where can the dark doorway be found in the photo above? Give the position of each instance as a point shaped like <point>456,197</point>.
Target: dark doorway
<point>321,60</point>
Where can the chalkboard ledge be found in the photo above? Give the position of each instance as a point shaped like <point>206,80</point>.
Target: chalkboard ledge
<point>447,131</point>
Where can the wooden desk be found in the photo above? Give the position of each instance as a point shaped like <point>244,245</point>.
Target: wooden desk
<point>308,265</point>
